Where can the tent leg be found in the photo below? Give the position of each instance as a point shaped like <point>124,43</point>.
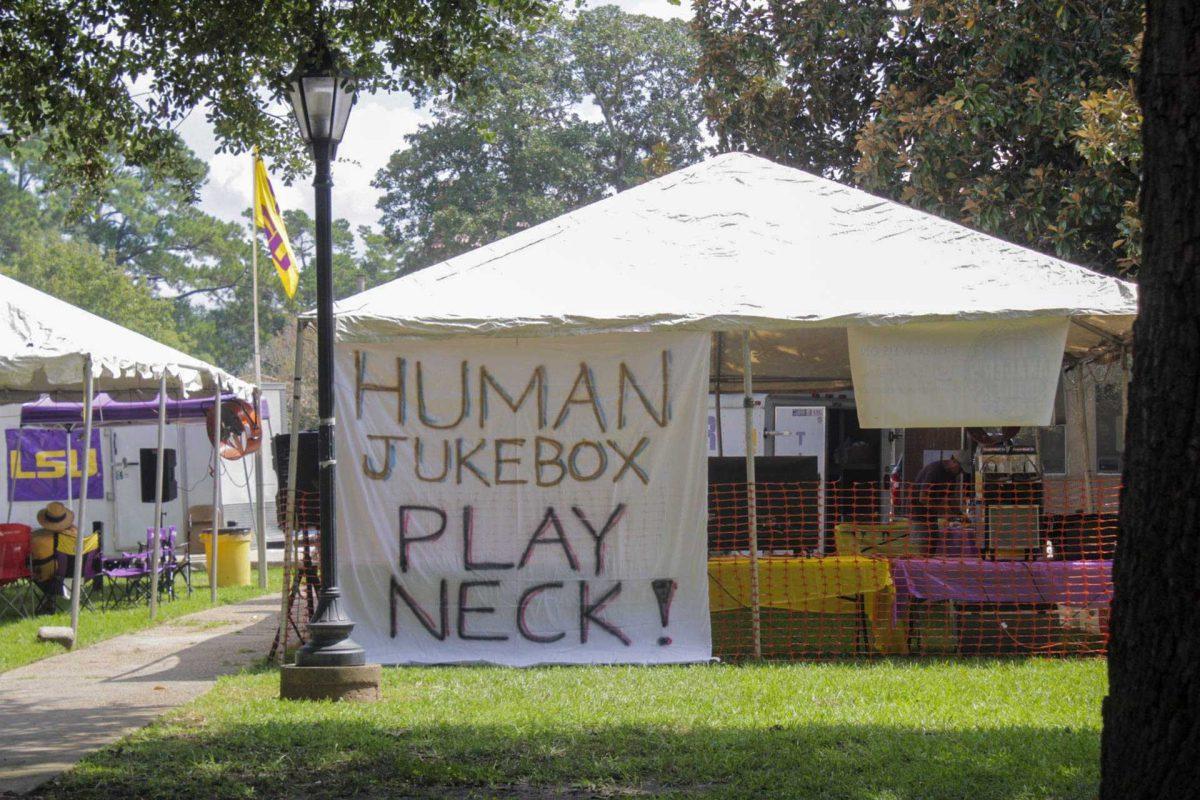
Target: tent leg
<point>215,531</point>
<point>1087,440</point>
<point>81,521</point>
<point>289,527</point>
<point>751,494</point>
<point>261,505</point>
<point>185,504</point>
<point>717,403</point>
<point>156,539</point>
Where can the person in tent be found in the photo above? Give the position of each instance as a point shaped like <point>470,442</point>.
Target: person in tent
<point>936,496</point>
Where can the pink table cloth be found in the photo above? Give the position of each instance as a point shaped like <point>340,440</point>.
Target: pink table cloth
<point>1082,583</point>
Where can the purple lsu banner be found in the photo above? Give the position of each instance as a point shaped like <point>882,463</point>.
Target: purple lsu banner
<point>37,464</point>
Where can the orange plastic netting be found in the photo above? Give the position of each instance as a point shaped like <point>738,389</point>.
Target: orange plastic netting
<point>868,570</point>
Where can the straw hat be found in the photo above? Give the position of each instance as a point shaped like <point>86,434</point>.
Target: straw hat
<point>56,517</point>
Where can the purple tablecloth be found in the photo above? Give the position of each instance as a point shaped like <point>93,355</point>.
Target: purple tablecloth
<point>1083,583</point>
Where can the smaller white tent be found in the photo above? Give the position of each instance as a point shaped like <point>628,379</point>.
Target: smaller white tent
<point>44,342</point>
<point>48,346</point>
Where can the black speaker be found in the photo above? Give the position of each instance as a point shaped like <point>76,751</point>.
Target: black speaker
<point>148,462</point>
<point>307,473</point>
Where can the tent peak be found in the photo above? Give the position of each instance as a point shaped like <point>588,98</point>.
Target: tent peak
<point>733,242</point>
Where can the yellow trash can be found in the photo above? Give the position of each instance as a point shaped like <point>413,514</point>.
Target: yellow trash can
<point>233,556</point>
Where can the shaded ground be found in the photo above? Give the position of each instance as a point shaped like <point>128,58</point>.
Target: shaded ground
<point>56,711</point>
<point>1017,729</point>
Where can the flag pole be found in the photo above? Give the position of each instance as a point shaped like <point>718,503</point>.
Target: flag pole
<point>260,515</point>
<point>254,265</point>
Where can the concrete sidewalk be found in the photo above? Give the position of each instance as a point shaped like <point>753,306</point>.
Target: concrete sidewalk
<point>57,710</point>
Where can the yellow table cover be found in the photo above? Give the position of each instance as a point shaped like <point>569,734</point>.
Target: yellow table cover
<point>831,585</point>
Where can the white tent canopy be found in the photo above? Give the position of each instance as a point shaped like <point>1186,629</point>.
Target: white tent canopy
<point>740,243</point>
<point>47,346</point>
<point>934,324</point>
<point>45,341</point>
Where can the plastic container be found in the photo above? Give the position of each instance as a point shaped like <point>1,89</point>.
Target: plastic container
<point>889,539</point>
<point>233,555</point>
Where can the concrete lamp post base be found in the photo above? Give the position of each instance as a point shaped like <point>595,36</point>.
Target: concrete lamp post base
<point>358,684</point>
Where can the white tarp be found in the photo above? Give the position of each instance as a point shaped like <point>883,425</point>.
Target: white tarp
<point>735,243</point>
<point>962,374</point>
<point>44,341</point>
<point>524,501</point>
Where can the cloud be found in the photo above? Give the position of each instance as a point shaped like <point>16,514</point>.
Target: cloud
<point>376,129</point>
<point>652,8</point>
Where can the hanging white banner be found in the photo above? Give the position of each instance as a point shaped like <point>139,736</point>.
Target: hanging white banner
<point>525,501</point>
<point>957,374</point>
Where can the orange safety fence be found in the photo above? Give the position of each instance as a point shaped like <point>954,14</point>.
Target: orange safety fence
<point>865,570</point>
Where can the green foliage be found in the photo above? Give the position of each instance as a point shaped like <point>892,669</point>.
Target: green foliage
<point>586,106</point>
<point>111,81</point>
<point>79,273</point>
<point>794,81</point>
<point>1013,730</point>
<point>1015,118</point>
<point>142,254</point>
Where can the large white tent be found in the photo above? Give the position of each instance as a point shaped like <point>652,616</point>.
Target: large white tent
<point>933,324</point>
<point>48,346</point>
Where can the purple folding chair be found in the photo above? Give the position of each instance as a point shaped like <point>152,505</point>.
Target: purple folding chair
<point>128,577</point>
<point>169,567</point>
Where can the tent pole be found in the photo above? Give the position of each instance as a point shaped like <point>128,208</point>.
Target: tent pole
<point>70,494</point>
<point>185,500</point>
<point>289,527</point>
<point>1124,362</point>
<point>720,360</point>
<point>215,530</point>
<point>77,573</point>
<point>156,539</point>
<point>751,493</point>
<point>260,509</point>
<point>1087,442</point>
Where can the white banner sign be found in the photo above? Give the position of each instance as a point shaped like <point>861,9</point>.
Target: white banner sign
<point>957,374</point>
<point>525,501</point>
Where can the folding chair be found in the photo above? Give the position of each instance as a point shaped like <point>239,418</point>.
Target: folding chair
<point>127,577</point>
<point>169,565</point>
<point>199,520</point>
<point>17,592</point>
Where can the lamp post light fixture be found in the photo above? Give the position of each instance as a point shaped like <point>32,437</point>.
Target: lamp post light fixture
<point>321,97</point>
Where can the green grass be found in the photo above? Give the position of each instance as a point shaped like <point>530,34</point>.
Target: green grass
<point>875,731</point>
<point>19,636</point>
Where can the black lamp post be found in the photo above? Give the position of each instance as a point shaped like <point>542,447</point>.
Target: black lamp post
<point>321,97</point>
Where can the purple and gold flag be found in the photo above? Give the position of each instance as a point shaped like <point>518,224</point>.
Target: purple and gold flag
<point>268,219</point>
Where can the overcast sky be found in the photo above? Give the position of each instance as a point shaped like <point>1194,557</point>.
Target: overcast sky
<point>377,128</point>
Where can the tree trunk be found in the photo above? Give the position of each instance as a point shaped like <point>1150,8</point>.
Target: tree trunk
<point>1151,742</point>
